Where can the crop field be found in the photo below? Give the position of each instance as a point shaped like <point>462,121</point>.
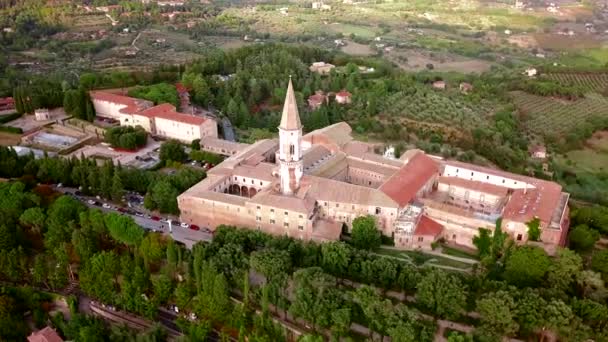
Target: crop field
<point>548,115</point>
<point>591,158</point>
<point>596,82</point>
<point>438,108</point>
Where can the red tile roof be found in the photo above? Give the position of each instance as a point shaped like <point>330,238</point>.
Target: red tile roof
<point>316,99</point>
<point>6,101</point>
<point>143,107</point>
<point>45,335</point>
<point>403,185</point>
<point>428,227</point>
<point>526,204</point>
<point>132,105</point>
<point>167,111</point>
<point>181,88</point>
<point>343,93</point>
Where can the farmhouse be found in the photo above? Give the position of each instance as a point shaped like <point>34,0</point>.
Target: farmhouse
<point>465,87</point>
<point>309,186</point>
<point>343,97</point>
<point>45,335</point>
<point>321,68</point>
<point>538,152</point>
<point>7,103</point>
<point>530,72</point>
<point>316,101</point>
<point>162,120</point>
<point>439,85</point>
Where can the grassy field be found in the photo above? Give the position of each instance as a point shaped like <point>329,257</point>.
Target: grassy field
<point>420,258</point>
<point>592,158</point>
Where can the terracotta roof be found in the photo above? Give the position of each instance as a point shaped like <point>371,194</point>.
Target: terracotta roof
<point>272,198</point>
<point>6,100</point>
<point>526,204</point>
<point>132,105</point>
<point>316,99</point>
<point>290,119</point>
<point>330,190</point>
<point>45,335</point>
<point>476,186</point>
<point>181,88</point>
<point>326,230</point>
<point>343,93</point>
<point>428,227</point>
<point>167,111</point>
<point>403,185</point>
<point>371,167</point>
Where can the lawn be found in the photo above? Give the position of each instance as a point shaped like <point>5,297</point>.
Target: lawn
<point>420,258</point>
<point>592,158</point>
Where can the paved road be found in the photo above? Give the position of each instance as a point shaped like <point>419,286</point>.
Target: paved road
<point>186,236</point>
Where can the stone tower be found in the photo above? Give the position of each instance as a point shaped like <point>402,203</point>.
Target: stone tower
<point>290,149</point>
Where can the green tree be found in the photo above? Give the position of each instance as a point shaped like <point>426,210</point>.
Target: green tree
<point>117,188</point>
<point>582,238</point>
<point>151,249</point>
<point>442,293</point>
<point>34,218</point>
<point>565,270</point>
<point>534,229</point>
<point>123,229</point>
<point>497,311</point>
<point>335,257</point>
<point>365,234</point>
<point>526,266</point>
<point>172,150</point>
<point>599,262</point>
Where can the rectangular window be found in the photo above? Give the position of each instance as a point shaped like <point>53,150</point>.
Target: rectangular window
<point>378,210</point>
<point>272,210</point>
<point>286,224</point>
<point>301,216</point>
<point>301,227</point>
<point>259,207</point>
<point>272,221</point>
<point>420,239</point>
<point>286,213</point>
<point>258,218</point>
<point>337,205</point>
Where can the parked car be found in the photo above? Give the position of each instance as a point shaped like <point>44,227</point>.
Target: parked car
<point>138,214</point>
<point>91,202</point>
<point>78,193</point>
<point>122,210</point>
<point>155,218</point>
<point>97,203</point>
<point>185,225</point>
<point>194,227</point>
<point>175,223</point>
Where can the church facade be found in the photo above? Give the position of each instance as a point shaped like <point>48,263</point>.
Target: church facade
<point>310,186</point>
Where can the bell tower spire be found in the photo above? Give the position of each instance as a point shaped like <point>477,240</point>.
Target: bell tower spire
<point>290,149</point>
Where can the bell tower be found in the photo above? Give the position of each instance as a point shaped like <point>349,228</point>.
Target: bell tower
<point>290,146</point>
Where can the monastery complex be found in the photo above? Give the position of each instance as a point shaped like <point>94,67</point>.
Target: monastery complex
<point>310,186</point>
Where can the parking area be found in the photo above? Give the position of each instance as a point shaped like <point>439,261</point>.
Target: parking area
<point>181,232</point>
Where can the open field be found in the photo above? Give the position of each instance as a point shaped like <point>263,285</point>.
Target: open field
<point>357,49</point>
<point>417,60</point>
<point>593,157</point>
<point>544,115</point>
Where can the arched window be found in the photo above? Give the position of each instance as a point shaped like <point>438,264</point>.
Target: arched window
<point>291,149</point>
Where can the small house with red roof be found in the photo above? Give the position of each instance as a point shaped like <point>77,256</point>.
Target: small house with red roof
<point>45,335</point>
<point>316,100</point>
<point>7,103</point>
<point>343,97</point>
<point>162,120</point>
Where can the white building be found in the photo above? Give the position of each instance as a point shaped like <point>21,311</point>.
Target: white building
<point>162,120</point>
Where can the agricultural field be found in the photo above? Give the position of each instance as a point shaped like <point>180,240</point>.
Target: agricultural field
<point>544,115</point>
<point>594,82</point>
<point>438,108</point>
<point>592,158</point>
<point>9,139</point>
